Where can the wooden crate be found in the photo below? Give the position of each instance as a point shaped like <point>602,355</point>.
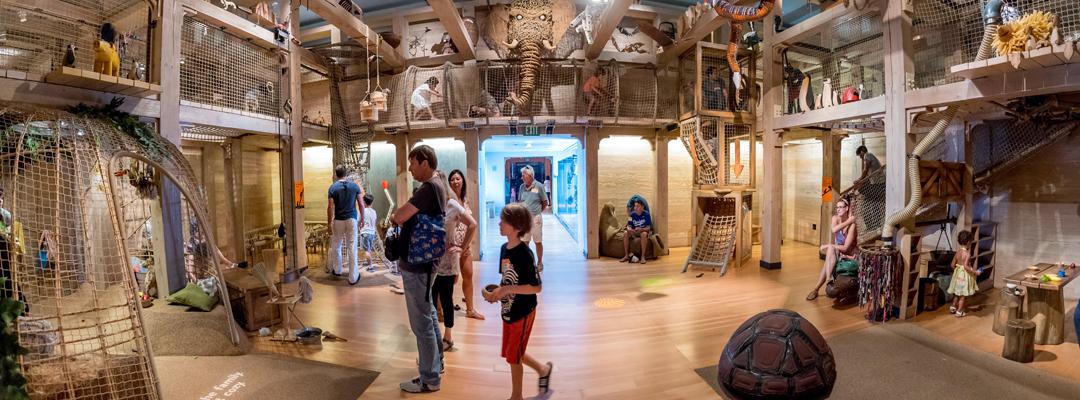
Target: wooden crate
<point>250,300</point>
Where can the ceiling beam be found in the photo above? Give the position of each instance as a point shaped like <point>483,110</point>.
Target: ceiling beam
<point>451,20</point>
<point>351,26</point>
<point>706,24</point>
<point>316,33</point>
<point>609,20</point>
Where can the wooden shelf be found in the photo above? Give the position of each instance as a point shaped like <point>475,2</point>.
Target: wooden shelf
<point>81,78</point>
<point>1019,61</point>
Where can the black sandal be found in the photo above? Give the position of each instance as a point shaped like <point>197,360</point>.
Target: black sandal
<point>545,381</point>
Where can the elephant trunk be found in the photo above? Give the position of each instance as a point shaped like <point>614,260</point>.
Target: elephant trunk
<point>530,66</point>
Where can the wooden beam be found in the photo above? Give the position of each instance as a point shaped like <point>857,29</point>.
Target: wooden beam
<point>706,24</point>
<point>206,116</point>
<point>33,92</point>
<point>355,29</point>
<point>843,112</point>
<point>232,23</point>
<point>609,20</point>
<point>638,11</point>
<point>292,162</point>
<point>448,15</point>
<point>772,177</point>
<point>311,60</point>
<point>317,33</point>
<point>898,66</point>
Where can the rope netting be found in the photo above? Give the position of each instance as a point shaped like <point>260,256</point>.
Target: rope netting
<point>638,89</point>
<point>998,145</point>
<point>667,97</point>
<point>79,196</point>
<point>208,133</point>
<point>701,136</point>
<point>868,204</point>
<point>218,69</point>
<point>948,33</point>
<point>36,40</point>
<point>705,165</point>
<point>849,55</point>
<point>713,243</point>
<point>737,161</point>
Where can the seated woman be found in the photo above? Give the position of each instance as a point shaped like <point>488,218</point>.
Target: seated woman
<point>844,247</point>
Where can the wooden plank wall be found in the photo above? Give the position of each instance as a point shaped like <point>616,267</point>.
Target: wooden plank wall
<point>625,167</point>
<point>680,187</point>
<point>1037,206</point>
<point>316,98</point>
<point>262,188</point>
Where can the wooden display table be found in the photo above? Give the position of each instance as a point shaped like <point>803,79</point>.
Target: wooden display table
<point>1045,302</point>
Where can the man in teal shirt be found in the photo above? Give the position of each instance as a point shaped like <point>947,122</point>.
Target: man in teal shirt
<point>534,197</point>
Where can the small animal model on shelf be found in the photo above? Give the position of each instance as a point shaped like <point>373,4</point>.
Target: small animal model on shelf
<point>262,10</point>
<point>226,4</point>
<point>69,56</point>
<point>106,60</point>
<point>827,95</point>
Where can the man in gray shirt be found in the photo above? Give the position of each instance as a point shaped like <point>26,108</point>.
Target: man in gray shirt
<point>534,197</point>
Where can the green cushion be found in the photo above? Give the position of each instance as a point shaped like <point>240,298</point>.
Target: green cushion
<point>847,267</point>
<point>193,296</point>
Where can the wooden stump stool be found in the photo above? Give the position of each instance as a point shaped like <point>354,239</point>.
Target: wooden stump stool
<point>1005,313</point>
<point>1019,341</point>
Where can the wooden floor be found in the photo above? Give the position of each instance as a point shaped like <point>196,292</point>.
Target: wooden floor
<point>613,330</point>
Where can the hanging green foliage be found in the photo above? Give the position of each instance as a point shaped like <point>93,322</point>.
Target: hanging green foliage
<point>127,123</point>
<point>12,382</point>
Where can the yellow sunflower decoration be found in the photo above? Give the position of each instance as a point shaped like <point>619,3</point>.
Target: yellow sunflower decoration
<point>1013,37</point>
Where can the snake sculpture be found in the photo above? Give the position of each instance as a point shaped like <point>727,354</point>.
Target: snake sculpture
<point>738,15</point>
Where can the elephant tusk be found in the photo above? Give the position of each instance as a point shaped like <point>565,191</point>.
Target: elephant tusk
<point>548,45</point>
<point>513,44</point>
<point>737,79</point>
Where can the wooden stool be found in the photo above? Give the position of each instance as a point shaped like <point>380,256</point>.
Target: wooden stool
<point>1019,341</point>
<point>1005,313</point>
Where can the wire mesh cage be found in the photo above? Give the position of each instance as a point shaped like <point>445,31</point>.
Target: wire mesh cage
<point>637,94</point>
<point>723,151</point>
<point>1000,144</point>
<point>218,69</point>
<point>34,39</point>
<point>667,96</point>
<point>738,151</point>
<point>78,194</point>
<point>844,63</point>
<point>947,33</point>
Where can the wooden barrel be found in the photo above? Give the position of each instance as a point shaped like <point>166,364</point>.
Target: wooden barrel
<point>1005,313</point>
<point>1019,341</point>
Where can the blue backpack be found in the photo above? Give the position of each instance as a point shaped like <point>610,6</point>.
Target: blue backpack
<point>428,241</point>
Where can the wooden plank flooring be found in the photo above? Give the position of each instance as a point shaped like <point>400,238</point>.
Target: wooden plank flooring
<point>613,330</point>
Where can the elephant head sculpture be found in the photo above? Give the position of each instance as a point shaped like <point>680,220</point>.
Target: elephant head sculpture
<point>526,29</point>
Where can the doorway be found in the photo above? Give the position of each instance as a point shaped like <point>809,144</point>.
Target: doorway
<point>558,162</point>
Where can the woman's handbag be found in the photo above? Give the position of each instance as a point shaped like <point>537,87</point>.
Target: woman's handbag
<point>390,244</point>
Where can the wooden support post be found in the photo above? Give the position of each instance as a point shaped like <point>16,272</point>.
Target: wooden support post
<point>660,203</point>
<point>592,194</point>
<point>899,68</point>
<point>830,168</point>
<point>402,147</point>
<point>401,29</point>
<point>292,161</point>
<point>167,223</point>
<point>772,178</point>
<point>966,216</point>
<point>472,174</point>
<point>448,15</point>
<point>234,188</point>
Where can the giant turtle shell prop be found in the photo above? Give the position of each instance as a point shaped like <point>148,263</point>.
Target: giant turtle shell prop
<point>777,355</point>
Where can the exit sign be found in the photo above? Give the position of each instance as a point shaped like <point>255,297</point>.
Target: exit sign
<point>530,130</point>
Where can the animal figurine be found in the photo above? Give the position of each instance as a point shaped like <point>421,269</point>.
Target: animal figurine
<point>69,56</point>
<point>827,96</point>
<point>106,60</point>
<point>226,4</point>
<point>262,10</point>
<point>583,24</point>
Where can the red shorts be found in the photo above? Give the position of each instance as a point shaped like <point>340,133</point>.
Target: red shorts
<point>516,337</point>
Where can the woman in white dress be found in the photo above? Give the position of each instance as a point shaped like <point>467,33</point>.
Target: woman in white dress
<point>421,98</point>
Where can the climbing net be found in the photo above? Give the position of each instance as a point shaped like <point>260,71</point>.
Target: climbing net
<point>714,243</point>
<point>1000,144</point>
<point>948,33</point>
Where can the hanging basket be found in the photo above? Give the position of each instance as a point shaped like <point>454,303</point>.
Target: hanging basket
<point>368,112</point>
<point>378,98</point>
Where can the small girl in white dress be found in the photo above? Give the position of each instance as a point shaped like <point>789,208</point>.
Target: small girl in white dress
<point>421,98</point>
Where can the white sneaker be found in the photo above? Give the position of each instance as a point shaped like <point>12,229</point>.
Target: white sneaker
<point>415,386</point>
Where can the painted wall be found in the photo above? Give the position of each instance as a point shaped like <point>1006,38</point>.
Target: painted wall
<point>626,167</point>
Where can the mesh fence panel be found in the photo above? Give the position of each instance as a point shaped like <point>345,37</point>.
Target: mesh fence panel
<point>667,96</point>
<point>35,41</point>
<point>602,105</point>
<point>688,81</point>
<point>737,145</point>
<point>464,94</point>
<point>218,69</point>
<point>849,55</point>
<point>637,93</point>
<point>868,204</point>
<point>556,90</point>
<point>948,33</point>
